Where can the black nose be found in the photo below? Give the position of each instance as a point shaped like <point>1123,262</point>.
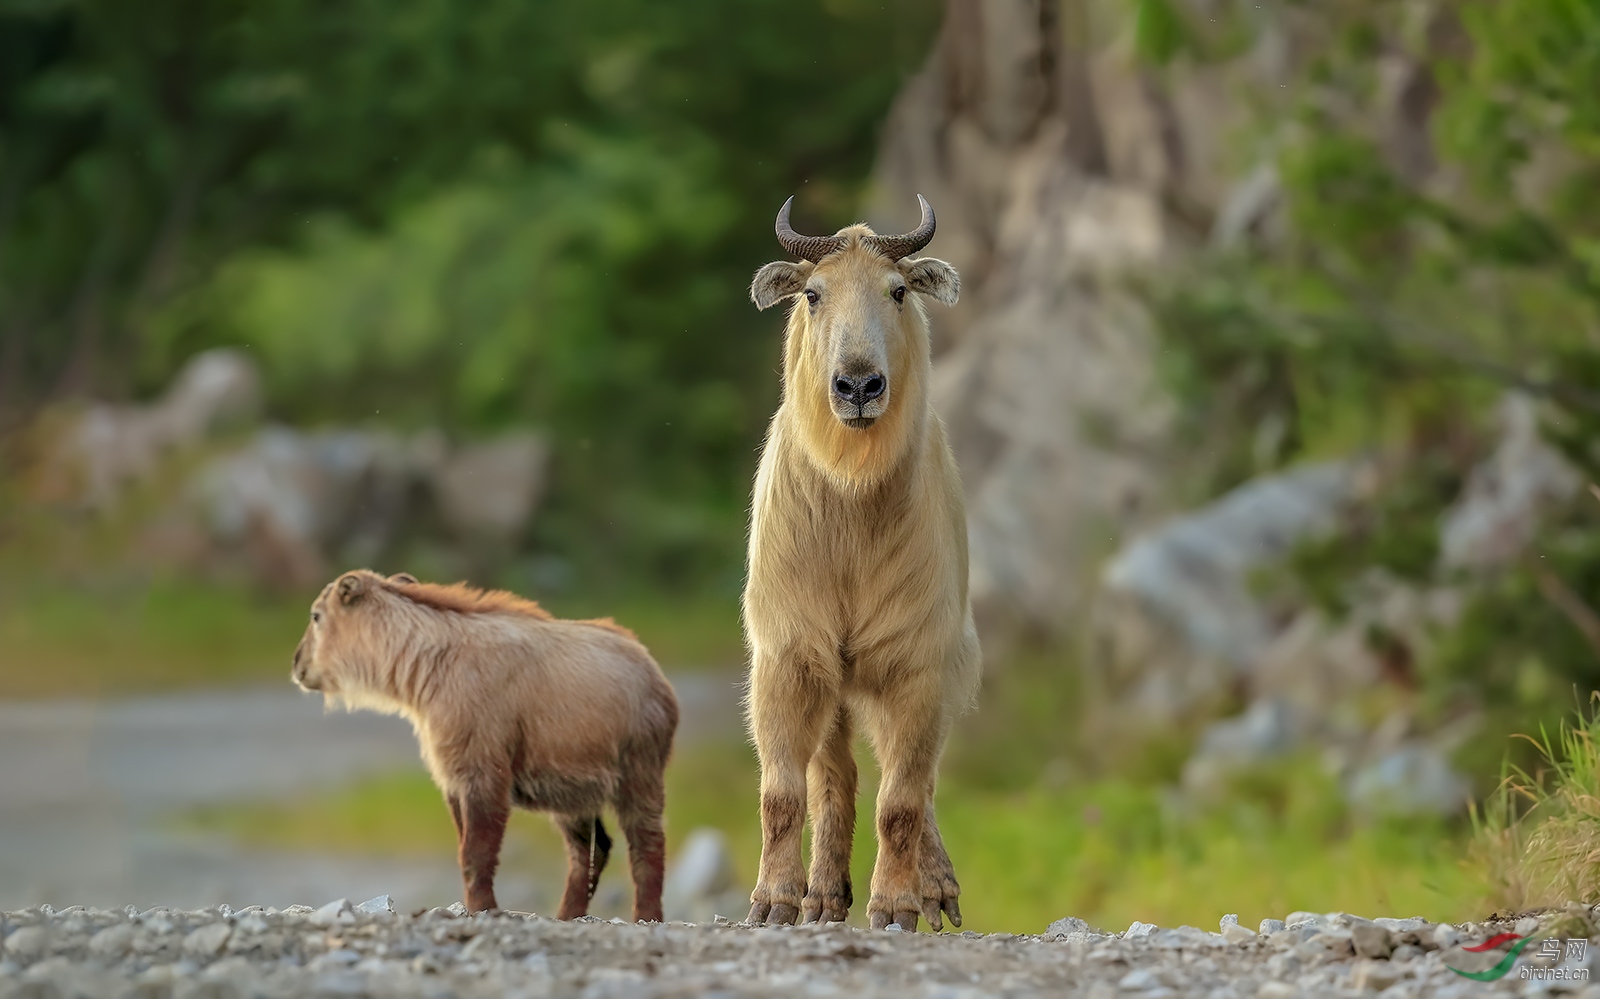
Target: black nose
<point>859,390</point>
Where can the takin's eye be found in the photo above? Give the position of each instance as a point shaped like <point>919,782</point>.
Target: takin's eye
<point>316,617</point>
<point>899,293</point>
<point>812,296</point>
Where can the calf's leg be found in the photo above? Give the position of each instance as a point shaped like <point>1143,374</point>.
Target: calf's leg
<point>831,798</point>
<point>647,852</point>
<point>787,700</point>
<point>483,812</point>
<point>588,849</point>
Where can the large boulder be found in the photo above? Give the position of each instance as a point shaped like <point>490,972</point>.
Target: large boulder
<point>489,490</point>
<point>288,500</point>
<point>96,455</point>
<point>1175,624</point>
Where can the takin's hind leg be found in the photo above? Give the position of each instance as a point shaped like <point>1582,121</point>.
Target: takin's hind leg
<point>588,849</point>
<point>647,849</point>
<point>831,796</point>
<point>940,891</point>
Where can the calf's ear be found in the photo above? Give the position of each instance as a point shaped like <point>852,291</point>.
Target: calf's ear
<point>932,277</point>
<point>402,577</point>
<point>777,281</point>
<point>352,587</point>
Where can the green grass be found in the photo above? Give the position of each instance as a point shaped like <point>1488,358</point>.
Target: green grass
<point>1539,834</point>
<point>61,640</point>
<point>1109,851</point>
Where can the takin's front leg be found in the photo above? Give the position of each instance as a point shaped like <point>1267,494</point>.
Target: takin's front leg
<point>482,812</point>
<point>831,787</point>
<point>907,735</point>
<point>588,849</point>
<point>786,714</point>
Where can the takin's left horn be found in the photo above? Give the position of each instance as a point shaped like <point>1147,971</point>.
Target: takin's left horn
<point>895,247</point>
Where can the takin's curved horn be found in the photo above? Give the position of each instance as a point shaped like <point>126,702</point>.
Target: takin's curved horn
<point>812,248</point>
<point>895,247</point>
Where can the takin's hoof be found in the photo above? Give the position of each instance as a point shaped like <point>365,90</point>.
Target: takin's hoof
<point>940,893</point>
<point>830,908</point>
<point>903,913</point>
<point>772,914</point>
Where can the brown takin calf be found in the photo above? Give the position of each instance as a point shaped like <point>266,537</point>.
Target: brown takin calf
<point>511,707</point>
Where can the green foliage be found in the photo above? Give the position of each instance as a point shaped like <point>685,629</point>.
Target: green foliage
<point>1399,304</point>
<point>424,212</point>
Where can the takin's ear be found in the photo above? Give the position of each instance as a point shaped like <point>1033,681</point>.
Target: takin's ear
<point>402,577</point>
<point>777,281</point>
<point>352,587</point>
<point>934,278</point>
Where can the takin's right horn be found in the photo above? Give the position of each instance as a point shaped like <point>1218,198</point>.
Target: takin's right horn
<point>812,248</point>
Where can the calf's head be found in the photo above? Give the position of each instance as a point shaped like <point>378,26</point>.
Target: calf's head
<point>341,638</point>
<point>858,338</point>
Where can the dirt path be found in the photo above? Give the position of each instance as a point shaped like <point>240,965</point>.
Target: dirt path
<point>336,952</point>
<point>86,789</point>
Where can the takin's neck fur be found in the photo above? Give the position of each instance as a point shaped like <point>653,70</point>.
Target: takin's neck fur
<point>854,459</point>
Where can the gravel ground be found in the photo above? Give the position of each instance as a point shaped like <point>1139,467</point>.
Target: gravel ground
<point>344,950</point>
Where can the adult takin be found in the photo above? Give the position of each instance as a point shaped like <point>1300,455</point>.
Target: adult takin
<point>511,707</point>
<point>855,606</point>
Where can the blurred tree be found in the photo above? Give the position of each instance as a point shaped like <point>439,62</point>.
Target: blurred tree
<point>518,210</point>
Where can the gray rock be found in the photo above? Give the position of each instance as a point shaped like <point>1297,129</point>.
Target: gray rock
<point>1236,934</point>
<point>110,447</point>
<point>1294,919</point>
<point>1184,937</point>
<point>337,911</point>
<point>28,943</point>
<point>457,909</point>
<point>206,942</point>
<point>1414,779</point>
<point>341,958</point>
<point>112,942</point>
<point>1407,952</point>
<point>1139,931</point>
<point>1501,507</point>
<point>490,489</point>
<point>1408,924</point>
<point>1372,940</point>
<point>1140,980</point>
<point>1071,928</point>
<point>1375,975</point>
<point>1271,926</point>
<point>382,905</point>
<point>1445,936</point>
